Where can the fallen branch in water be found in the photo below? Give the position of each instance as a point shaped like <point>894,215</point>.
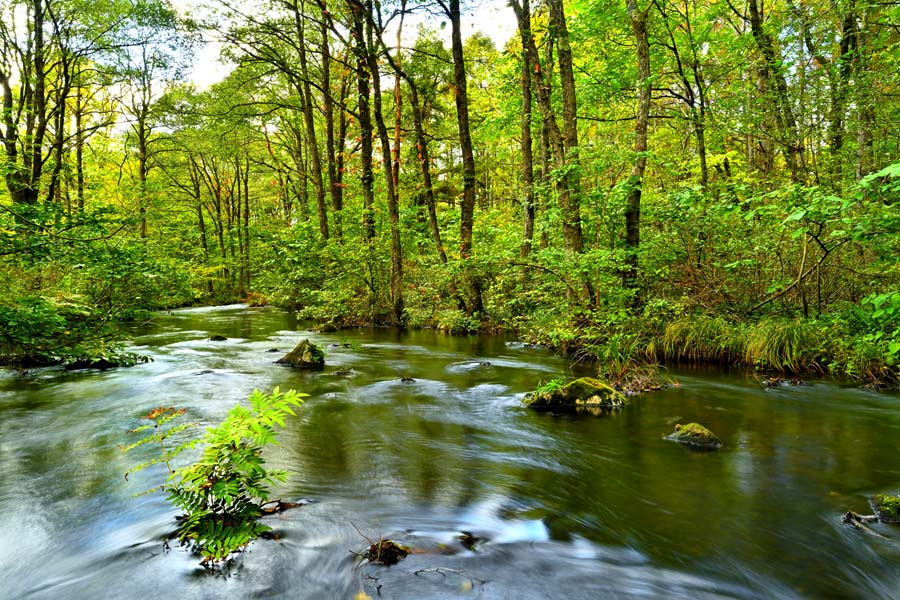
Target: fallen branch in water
<point>859,522</point>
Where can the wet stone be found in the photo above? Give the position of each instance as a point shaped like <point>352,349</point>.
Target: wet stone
<point>305,356</point>
<point>696,436</point>
<point>583,393</point>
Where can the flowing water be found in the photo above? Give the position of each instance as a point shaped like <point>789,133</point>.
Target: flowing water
<point>562,506</point>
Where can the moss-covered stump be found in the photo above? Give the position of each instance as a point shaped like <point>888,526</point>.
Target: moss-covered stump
<point>695,435</point>
<point>583,393</point>
<point>886,508</point>
<point>305,356</point>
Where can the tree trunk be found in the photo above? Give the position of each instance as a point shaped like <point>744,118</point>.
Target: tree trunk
<point>79,149</point>
<point>633,201</point>
<point>360,51</point>
<point>525,145</point>
<point>467,209</point>
<point>334,187</point>
<point>143,134</point>
<point>865,100</point>
<point>566,185</point>
<point>392,200</point>
<point>312,145</point>
<point>775,81</point>
<point>570,197</point>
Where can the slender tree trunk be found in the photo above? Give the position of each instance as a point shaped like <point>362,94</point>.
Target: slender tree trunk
<point>143,134</point>
<point>467,208</point>
<point>40,104</point>
<point>301,188</point>
<point>79,149</point>
<point>525,146</point>
<point>246,222</point>
<point>633,201</point>
<point>338,197</point>
<point>334,187</point>
<point>566,185</point>
<point>545,178</point>
<point>777,84</point>
<point>570,199</point>
<point>304,90</point>
<point>201,222</point>
<point>425,168</point>
<point>865,100</point>
<point>363,110</point>
<point>235,203</point>
<point>392,200</point>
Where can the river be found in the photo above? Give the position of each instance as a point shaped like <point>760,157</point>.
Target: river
<point>561,506</point>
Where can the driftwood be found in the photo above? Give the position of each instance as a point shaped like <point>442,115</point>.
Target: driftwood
<point>860,522</point>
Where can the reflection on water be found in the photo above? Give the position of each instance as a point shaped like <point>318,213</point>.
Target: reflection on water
<point>561,507</point>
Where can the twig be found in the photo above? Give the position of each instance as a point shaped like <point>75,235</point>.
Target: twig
<point>364,536</point>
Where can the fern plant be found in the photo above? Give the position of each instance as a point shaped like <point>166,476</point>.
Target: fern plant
<point>158,433</point>
<point>223,493</point>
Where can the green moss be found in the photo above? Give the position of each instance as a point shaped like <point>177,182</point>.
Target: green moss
<point>886,507</point>
<point>580,393</point>
<point>695,435</point>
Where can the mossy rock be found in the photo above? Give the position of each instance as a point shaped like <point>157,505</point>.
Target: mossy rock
<point>583,393</point>
<point>886,508</point>
<point>696,436</point>
<point>305,356</point>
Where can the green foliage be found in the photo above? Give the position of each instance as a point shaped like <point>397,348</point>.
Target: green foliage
<point>158,433</point>
<point>550,386</point>
<point>223,492</point>
<point>38,330</point>
<point>885,319</point>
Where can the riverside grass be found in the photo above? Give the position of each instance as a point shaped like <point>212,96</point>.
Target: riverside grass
<point>771,344</point>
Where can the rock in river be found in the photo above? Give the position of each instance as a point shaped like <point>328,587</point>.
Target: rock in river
<point>887,508</point>
<point>585,392</point>
<point>695,435</point>
<point>305,356</point>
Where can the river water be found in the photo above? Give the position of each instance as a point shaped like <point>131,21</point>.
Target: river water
<point>562,506</point>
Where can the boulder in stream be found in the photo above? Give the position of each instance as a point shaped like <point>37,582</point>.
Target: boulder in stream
<point>695,435</point>
<point>583,393</point>
<point>217,338</point>
<point>886,508</point>
<point>305,356</point>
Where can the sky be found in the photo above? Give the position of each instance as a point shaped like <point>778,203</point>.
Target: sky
<point>493,17</point>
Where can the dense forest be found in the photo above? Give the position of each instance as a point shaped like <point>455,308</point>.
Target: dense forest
<point>632,182</point>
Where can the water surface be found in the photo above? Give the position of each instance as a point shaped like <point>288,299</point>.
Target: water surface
<point>563,507</point>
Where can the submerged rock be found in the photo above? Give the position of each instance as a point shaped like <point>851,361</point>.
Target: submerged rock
<point>695,435</point>
<point>886,508</point>
<point>305,356</point>
<point>582,393</point>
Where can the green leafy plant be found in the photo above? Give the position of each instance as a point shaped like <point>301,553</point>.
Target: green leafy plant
<point>223,493</point>
<point>157,434</point>
<point>550,386</point>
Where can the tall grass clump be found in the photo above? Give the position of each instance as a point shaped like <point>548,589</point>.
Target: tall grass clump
<point>702,338</point>
<point>782,345</point>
